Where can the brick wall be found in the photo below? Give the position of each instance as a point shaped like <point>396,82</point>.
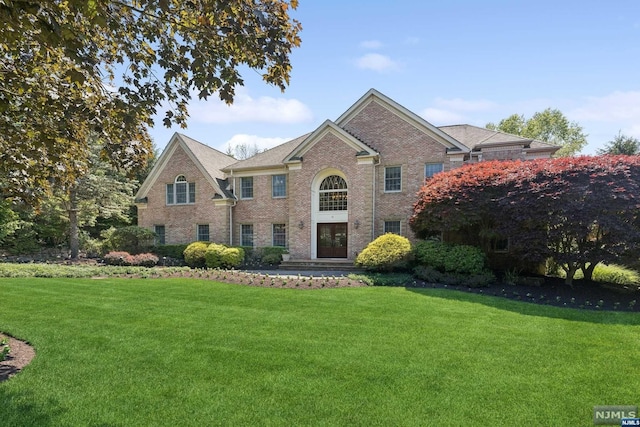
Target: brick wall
<point>181,221</point>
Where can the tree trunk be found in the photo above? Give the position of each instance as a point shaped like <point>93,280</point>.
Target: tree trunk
<point>571,271</point>
<point>588,271</point>
<point>74,241</point>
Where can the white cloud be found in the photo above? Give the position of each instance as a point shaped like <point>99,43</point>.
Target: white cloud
<point>455,110</point>
<point>617,106</point>
<point>250,141</point>
<point>264,109</point>
<point>377,62</point>
<point>440,117</point>
<point>371,44</point>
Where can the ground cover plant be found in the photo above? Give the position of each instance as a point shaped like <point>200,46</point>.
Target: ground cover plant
<point>197,352</point>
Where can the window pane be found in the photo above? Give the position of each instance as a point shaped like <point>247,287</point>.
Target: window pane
<point>393,178</point>
<point>160,234</point>
<point>170,200</point>
<point>333,194</point>
<point>203,232</point>
<point>181,192</point>
<point>392,227</point>
<point>279,185</point>
<point>192,192</point>
<point>246,187</point>
<point>280,235</point>
<point>246,235</point>
<point>431,169</point>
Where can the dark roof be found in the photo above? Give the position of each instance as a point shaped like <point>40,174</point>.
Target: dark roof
<point>475,137</point>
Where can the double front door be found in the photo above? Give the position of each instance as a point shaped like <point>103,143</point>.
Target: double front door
<point>332,240</point>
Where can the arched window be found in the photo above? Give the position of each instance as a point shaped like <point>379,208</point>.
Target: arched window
<point>181,192</point>
<point>333,194</point>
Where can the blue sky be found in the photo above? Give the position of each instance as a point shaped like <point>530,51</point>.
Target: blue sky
<point>451,62</point>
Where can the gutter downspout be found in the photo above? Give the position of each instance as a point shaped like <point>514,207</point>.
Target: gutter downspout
<point>373,200</point>
<point>235,201</point>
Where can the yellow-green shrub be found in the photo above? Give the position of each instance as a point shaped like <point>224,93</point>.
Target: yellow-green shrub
<point>386,253</point>
<point>221,256</point>
<point>194,254</point>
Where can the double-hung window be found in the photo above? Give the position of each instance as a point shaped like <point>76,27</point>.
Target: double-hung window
<point>392,179</point>
<point>203,233</point>
<point>160,234</point>
<point>246,187</point>
<point>431,169</point>
<point>246,235</point>
<point>278,186</point>
<point>181,192</point>
<point>279,235</point>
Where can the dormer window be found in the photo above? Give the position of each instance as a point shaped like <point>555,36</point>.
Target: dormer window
<point>181,192</point>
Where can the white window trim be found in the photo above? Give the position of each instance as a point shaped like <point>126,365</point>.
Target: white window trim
<point>385,179</point>
<point>286,190</point>
<point>253,191</point>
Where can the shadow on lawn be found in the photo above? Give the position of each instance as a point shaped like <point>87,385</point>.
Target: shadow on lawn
<point>533,307</point>
<point>20,409</point>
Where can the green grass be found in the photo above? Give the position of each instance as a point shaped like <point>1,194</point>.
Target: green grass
<point>124,352</point>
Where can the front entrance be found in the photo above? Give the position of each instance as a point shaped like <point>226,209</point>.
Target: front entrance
<point>332,240</point>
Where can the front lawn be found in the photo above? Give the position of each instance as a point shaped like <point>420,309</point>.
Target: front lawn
<point>152,352</point>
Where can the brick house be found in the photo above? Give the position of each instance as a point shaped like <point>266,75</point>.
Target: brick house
<point>326,194</point>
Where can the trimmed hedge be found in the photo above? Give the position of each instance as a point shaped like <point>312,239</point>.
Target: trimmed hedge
<point>126,259</point>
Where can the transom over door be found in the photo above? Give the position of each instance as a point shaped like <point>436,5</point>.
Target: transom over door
<point>332,240</point>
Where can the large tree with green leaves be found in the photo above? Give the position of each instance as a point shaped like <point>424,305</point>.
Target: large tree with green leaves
<point>76,67</point>
<point>549,126</point>
<point>621,144</point>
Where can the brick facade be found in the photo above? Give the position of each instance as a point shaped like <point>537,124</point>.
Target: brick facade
<point>374,134</point>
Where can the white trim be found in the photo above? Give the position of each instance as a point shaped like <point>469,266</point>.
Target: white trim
<point>318,217</point>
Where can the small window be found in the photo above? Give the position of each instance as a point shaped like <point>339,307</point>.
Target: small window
<point>431,169</point>
<point>160,234</point>
<point>500,245</point>
<point>393,179</point>
<point>246,235</point>
<point>181,192</point>
<point>392,227</point>
<point>279,186</point>
<point>203,233</point>
<point>280,235</point>
<point>246,187</point>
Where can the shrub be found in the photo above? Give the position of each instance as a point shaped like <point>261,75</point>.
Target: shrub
<point>170,251</point>
<point>221,256</point>
<point>271,259</point>
<point>386,253</point>
<point>232,257</point>
<point>380,279</point>
<point>117,258</point>
<point>213,255</point>
<point>449,258</point>
<point>132,239</point>
<point>617,274</point>
<point>194,254</point>
<point>126,259</point>
<point>144,260</point>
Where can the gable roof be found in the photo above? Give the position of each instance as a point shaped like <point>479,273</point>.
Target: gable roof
<point>328,126</point>
<point>409,116</point>
<point>208,160</point>
<point>476,137</point>
<point>271,158</point>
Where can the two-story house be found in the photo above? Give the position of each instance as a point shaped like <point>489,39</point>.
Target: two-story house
<point>326,194</point>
